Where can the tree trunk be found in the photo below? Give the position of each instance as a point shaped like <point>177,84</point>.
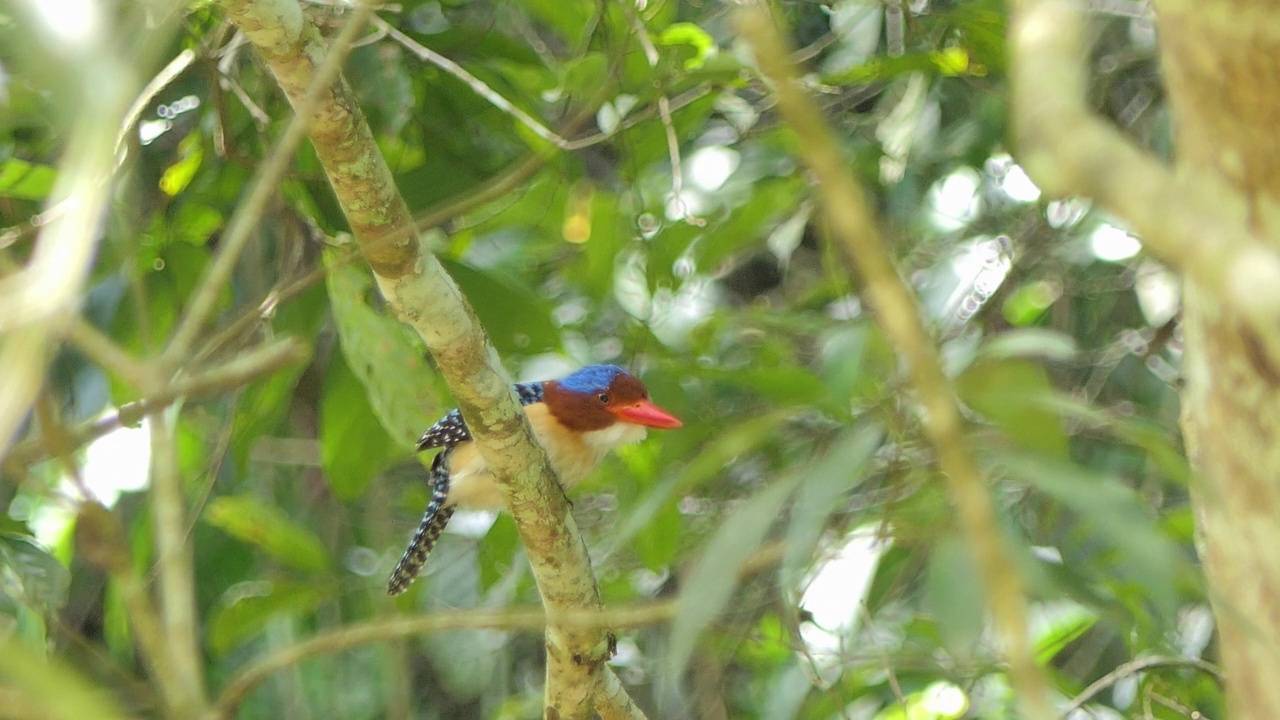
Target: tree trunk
<point>1222,66</point>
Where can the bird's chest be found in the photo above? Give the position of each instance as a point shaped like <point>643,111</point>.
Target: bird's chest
<point>575,458</point>
<point>573,455</point>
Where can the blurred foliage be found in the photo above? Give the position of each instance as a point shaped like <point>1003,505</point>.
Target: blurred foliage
<point>801,448</point>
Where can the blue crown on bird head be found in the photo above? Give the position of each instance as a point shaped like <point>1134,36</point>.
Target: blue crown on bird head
<point>592,378</point>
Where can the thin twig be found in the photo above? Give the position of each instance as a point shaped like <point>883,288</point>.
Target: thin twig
<point>168,74</point>
<point>175,564</point>
<point>890,673</point>
<point>1150,694</point>
<point>1134,667</point>
<point>245,368</point>
<point>477,85</point>
<point>103,351</point>
<point>46,295</point>
<point>668,127</point>
<point>611,699</point>
<point>264,186</point>
<point>398,628</point>
<point>101,541</point>
<point>854,226</point>
<point>59,443</point>
<point>665,107</point>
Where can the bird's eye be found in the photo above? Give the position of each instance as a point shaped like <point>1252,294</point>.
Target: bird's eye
<point>603,397</point>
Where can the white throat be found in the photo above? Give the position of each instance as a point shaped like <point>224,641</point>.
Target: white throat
<point>615,436</point>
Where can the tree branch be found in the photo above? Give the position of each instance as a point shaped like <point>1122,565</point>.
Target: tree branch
<point>422,295</point>
<point>310,96</point>
<point>1134,667</point>
<point>245,368</point>
<point>176,568</point>
<point>854,226</point>
<point>43,298</point>
<point>398,628</point>
<point>1192,224</point>
<point>100,540</point>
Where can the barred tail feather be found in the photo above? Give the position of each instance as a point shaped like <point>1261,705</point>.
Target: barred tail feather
<point>433,522</point>
<point>424,540</point>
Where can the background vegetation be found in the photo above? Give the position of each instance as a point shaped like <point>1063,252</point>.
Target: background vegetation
<point>655,216</point>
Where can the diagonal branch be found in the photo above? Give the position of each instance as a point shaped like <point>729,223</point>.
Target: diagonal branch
<point>422,295</point>
<point>1188,223</point>
<point>854,226</point>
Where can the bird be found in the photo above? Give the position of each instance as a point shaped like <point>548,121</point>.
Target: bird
<point>577,419</point>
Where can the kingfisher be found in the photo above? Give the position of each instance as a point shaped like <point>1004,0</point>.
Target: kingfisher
<point>577,419</point>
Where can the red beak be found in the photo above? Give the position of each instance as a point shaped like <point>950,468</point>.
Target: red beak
<point>647,414</point>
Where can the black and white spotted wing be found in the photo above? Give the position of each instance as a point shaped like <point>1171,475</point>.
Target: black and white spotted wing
<point>452,429</point>
<point>447,433</point>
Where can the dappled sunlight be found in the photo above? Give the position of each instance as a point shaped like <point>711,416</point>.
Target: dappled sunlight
<point>834,593</point>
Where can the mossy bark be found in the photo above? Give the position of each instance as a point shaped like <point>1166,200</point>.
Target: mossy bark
<point>1222,66</point>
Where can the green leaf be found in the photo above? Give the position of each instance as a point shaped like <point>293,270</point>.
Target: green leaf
<point>660,543</point>
<point>784,385</point>
<point>30,576</point>
<point>354,447</point>
<point>715,576</point>
<point>1031,343</point>
<point>253,521</point>
<point>570,18</point>
<point>842,351</point>
<point>707,464</point>
<point>1116,515</point>
<point>1029,302</point>
<point>384,355</point>
<point>954,596</point>
<point>49,688</point>
<point>1057,625</point>
<point>843,468</point>
<point>247,607</point>
<point>584,76</point>
<point>195,223</point>
<point>517,319</point>
<point>1159,443</point>
<point>1005,391</point>
<point>772,201</point>
<point>500,546</point>
<point>683,33</point>
<point>177,176</point>
<point>928,63</point>
<point>24,181</point>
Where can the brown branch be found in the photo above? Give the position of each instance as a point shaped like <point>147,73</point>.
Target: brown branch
<point>401,627</point>
<point>854,226</point>
<point>1192,224</point>
<point>611,700</point>
<point>1134,667</point>
<point>103,351</point>
<point>101,541</point>
<point>420,292</point>
<point>478,86</point>
<point>308,98</point>
<point>40,301</point>
<point>175,564</point>
<point>244,369</point>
